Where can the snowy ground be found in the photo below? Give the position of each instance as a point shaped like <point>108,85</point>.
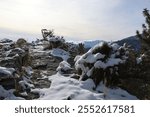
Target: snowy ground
<point>66,88</point>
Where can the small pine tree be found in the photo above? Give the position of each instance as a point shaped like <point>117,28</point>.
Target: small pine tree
<point>81,48</point>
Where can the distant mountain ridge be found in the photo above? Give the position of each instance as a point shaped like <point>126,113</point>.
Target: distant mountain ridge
<point>92,43</point>
<point>133,41</point>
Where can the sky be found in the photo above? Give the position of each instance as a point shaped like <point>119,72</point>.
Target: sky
<point>74,19</point>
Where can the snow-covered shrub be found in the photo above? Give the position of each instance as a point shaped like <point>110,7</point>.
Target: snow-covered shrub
<point>57,42</point>
<point>64,67</point>
<point>52,40</point>
<point>101,63</point>
<point>25,85</point>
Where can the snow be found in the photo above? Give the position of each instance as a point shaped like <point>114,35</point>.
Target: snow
<point>5,40</point>
<point>89,73</point>
<point>100,64</point>
<point>63,88</point>
<point>8,94</point>
<point>6,72</point>
<point>28,70</point>
<point>94,57</point>
<point>115,46</point>
<point>38,48</point>
<point>24,94</point>
<point>115,94</point>
<point>60,53</point>
<point>88,84</point>
<point>110,63</point>
<point>16,50</point>
<point>63,66</point>
<point>77,58</point>
<point>140,59</point>
<point>56,39</point>
<point>26,83</point>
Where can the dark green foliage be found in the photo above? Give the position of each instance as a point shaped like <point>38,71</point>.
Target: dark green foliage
<point>81,49</point>
<point>98,76</point>
<point>108,77</point>
<point>79,71</point>
<point>89,65</point>
<point>134,77</point>
<point>104,49</point>
<point>111,76</point>
<point>145,35</point>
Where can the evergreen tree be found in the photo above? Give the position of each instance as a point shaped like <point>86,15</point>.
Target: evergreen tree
<point>145,35</point>
<point>81,48</point>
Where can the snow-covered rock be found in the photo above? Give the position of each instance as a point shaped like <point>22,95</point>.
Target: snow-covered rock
<point>13,52</point>
<point>6,73</point>
<point>64,67</point>
<point>25,86</point>
<point>60,53</point>
<point>5,40</point>
<point>28,70</point>
<point>8,94</point>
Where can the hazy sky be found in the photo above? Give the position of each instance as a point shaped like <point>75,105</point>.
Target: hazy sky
<point>74,19</point>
